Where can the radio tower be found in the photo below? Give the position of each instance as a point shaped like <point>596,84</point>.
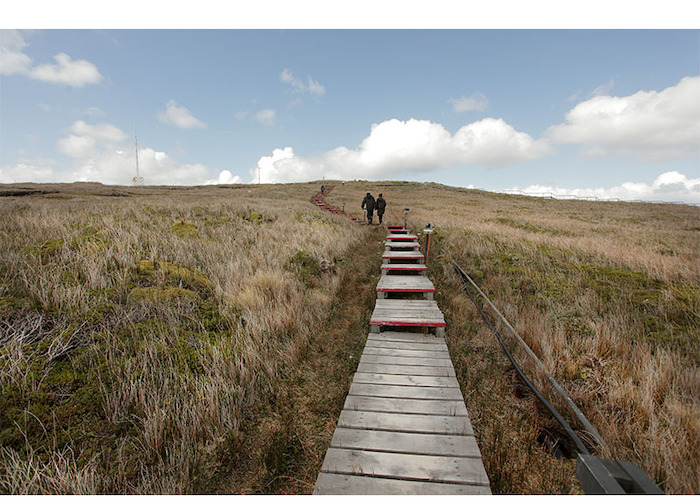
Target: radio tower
<point>138,180</point>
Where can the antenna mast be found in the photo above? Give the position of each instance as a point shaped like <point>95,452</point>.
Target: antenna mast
<point>138,180</point>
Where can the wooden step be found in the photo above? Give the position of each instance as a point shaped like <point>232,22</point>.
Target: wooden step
<point>389,255</point>
<point>418,269</point>
<point>400,245</point>
<point>344,484</point>
<point>405,284</point>
<point>401,237</point>
<point>397,312</point>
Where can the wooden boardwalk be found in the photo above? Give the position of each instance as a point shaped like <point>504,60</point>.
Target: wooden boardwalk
<point>404,428</point>
<point>405,284</point>
<point>401,237</point>
<point>401,245</point>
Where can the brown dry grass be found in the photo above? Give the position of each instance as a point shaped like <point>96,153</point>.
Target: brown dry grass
<point>177,340</point>
<point>606,294</point>
<point>138,330</point>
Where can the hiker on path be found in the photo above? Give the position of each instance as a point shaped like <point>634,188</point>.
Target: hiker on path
<point>381,206</point>
<point>368,204</point>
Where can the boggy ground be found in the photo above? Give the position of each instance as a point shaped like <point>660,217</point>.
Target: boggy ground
<point>140,326</point>
<point>199,340</point>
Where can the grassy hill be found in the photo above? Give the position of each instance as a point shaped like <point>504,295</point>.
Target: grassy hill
<point>202,340</point>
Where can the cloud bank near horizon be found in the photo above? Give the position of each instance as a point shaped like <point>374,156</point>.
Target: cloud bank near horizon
<point>104,153</point>
<point>669,186</point>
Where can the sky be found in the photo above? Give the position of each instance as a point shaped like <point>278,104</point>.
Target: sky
<point>605,113</point>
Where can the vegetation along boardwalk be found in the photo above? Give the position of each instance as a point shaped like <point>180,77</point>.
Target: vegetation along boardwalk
<point>404,428</point>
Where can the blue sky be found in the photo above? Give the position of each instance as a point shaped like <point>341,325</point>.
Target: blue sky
<point>611,113</point>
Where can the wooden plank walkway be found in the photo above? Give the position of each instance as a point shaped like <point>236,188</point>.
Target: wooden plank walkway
<point>405,284</point>
<point>407,312</point>
<point>404,428</point>
<point>402,245</point>
<point>401,237</point>
<point>390,255</point>
<point>416,268</point>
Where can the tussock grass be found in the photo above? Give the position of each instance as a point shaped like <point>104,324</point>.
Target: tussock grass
<point>137,330</point>
<point>176,340</point>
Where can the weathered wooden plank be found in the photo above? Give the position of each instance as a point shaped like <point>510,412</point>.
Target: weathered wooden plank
<point>407,406</point>
<point>406,279</point>
<point>388,254</point>
<point>395,312</point>
<point>401,244</point>
<point>405,360</point>
<point>403,283</point>
<point>410,311</point>
<point>406,353</point>
<point>402,392</point>
<point>419,315</point>
<point>401,237</point>
<point>409,346</point>
<point>460,470</point>
<point>397,321</point>
<point>390,335</point>
<point>344,484</point>
<point>405,442</point>
<point>393,369</point>
<point>403,266</point>
<point>406,304</point>
<point>424,424</point>
<point>407,380</point>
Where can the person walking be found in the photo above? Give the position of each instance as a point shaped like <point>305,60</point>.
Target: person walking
<point>381,206</point>
<point>368,204</point>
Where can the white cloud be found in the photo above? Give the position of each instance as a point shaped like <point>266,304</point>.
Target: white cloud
<point>492,142</point>
<point>669,186</point>
<point>66,71</point>
<point>25,172</point>
<point>179,116</point>
<point>603,89</point>
<point>93,111</point>
<point>225,177</point>
<point>311,86</point>
<point>406,146</point>
<point>266,117</point>
<point>12,40</point>
<point>648,126</point>
<point>475,102</point>
<point>85,140</point>
<point>12,59</point>
<point>14,63</point>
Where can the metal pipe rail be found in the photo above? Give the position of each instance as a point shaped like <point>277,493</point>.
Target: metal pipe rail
<point>555,385</point>
<point>596,475</point>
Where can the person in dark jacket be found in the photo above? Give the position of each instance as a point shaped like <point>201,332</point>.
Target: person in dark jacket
<point>380,206</point>
<point>368,204</point>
